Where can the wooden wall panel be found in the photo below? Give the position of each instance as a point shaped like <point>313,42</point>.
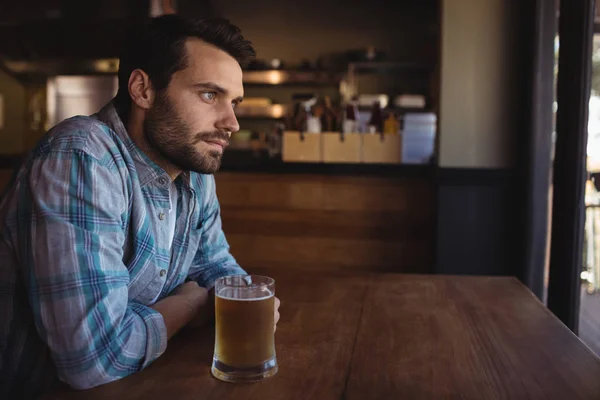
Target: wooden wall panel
<point>326,222</point>
<point>322,192</point>
<point>329,222</point>
<point>330,253</point>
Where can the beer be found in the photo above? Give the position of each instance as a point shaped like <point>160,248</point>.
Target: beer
<point>244,336</point>
<point>244,339</point>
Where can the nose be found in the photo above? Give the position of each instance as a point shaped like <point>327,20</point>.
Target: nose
<point>228,121</point>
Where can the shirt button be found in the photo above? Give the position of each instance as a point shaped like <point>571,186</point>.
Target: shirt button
<point>161,216</point>
<point>162,180</point>
<point>163,272</point>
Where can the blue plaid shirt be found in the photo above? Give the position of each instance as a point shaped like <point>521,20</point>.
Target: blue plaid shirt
<point>85,250</point>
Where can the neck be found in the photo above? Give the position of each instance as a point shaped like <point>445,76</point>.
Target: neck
<point>135,129</point>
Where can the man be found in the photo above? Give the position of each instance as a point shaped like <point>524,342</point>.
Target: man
<point>111,231</point>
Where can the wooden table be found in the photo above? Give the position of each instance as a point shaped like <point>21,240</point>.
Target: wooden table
<point>360,336</point>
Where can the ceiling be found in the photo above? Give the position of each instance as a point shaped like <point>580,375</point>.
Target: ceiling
<point>41,38</point>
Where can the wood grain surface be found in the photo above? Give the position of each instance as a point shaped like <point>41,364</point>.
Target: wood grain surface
<point>387,336</point>
<point>474,338</point>
<point>314,343</point>
<point>326,222</point>
<point>329,222</point>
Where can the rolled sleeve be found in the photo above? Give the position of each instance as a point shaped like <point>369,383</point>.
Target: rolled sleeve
<point>156,332</point>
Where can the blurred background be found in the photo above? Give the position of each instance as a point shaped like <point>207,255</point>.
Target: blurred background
<point>388,136</point>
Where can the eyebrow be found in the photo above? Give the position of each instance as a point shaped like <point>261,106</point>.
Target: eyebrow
<point>217,88</point>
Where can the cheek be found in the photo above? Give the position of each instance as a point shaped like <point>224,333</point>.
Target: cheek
<point>197,115</point>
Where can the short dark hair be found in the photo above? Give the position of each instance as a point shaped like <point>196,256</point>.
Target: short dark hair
<point>158,48</point>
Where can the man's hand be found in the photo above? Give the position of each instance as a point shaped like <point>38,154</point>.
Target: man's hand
<point>277,303</point>
<point>207,312</point>
<point>182,305</point>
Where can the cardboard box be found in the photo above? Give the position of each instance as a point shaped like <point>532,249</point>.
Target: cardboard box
<point>301,147</point>
<point>382,149</point>
<point>338,148</point>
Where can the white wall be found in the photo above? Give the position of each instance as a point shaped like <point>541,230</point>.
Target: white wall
<point>68,96</point>
<point>478,107</point>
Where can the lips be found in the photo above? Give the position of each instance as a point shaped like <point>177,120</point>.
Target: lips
<point>217,142</point>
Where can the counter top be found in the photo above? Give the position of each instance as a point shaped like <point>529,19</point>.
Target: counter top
<point>386,336</point>
<point>246,162</point>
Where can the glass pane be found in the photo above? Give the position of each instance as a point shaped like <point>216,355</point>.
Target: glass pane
<point>589,317</point>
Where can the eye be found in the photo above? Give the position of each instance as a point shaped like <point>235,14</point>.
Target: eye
<point>209,96</point>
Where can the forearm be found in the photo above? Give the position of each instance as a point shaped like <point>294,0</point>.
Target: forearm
<point>179,309</point>
<point>207,312</point>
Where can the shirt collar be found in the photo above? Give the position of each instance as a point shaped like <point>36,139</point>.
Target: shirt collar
<point>148,171</point>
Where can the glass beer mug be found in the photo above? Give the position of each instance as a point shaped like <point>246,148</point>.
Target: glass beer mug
<point>244,337</point>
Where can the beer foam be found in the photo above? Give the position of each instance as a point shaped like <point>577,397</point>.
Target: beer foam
<point>233,293</point>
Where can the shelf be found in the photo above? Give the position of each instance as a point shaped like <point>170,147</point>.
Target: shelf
<point>51,67</point>
<point>275,77</point>
<point>259,162</point>
<point>367,66</point>
<point>279,111</point>
<point>287,77</point>
<point>399,110</point>
<point>274,111</point>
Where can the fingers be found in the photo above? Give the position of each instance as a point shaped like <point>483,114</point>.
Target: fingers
<point>277,304</point>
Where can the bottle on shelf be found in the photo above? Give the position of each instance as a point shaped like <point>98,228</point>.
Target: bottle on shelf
<point>297,116</point>
<point>329,119</point>
<point>313,116</point>
<point>274,140</point>
<point>351,123</point>
<point>375,124</point>
<point>391,124</point>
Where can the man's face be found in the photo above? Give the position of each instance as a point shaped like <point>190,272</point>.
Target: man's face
<point>191,121</point>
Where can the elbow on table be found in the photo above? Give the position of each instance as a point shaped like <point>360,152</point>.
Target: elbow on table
<point>87,380</point>
<point>82,376</point>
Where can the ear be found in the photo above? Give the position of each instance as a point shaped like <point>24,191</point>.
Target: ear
<point>140,89</point>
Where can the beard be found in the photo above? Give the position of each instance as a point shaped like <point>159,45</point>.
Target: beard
<point>170,136</point>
